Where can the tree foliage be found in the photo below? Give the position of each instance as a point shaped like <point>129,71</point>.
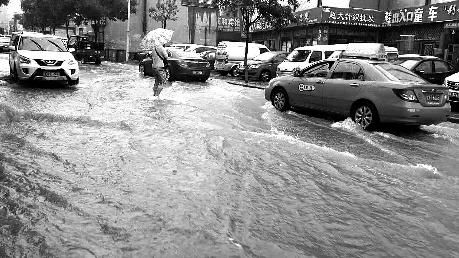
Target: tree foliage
<point>4,2</point>
<point>51,13</point>
<point>273,13</point>
<point>165,10</point>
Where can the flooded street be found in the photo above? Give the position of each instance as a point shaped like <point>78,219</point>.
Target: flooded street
<point>211,169</point>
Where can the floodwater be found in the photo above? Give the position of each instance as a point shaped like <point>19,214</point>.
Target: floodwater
<point>213,170</point>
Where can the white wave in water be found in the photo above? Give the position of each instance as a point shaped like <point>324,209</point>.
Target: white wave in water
<point>281,136</point>
<point>349,125</point>
<point>448,133</point>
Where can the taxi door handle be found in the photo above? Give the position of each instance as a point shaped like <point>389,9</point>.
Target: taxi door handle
<point>320,82</point>
<point>354,84</point>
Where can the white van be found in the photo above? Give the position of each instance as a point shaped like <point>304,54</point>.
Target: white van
<point>302,56</point>
<point>230,55</point>
<point>391,53</point>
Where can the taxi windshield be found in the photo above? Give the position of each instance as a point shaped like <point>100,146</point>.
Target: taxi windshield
<point>42,44</point>
<point>298,55</point>
<point>265,56</point>
<point>398,73</point>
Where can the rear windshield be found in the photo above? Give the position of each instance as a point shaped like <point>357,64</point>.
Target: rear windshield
<point>42,44</point>
<point>298,55</point>
<point>265,56</point>
<point>183,54</point>
<point>408,64</point>
<point>398,73</point>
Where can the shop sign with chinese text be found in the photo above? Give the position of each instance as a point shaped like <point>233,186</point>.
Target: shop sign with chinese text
<point>424,14</point>
<point>350,16</point>
<point>228,23</point>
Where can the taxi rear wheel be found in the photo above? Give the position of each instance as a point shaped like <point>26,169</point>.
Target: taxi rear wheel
<point>234,72</point>
<point>279,99</point>
<point>365,115</point>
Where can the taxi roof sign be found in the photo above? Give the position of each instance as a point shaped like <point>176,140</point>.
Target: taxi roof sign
<point>373,51</point>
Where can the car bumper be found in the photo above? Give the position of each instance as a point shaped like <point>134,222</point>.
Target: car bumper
<point>62,73</point>
<point>416,114</point>
<point>193,73</point>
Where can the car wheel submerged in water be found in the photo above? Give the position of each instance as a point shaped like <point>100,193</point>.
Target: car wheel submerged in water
<point>265,76</point>
<point>365,115</point>
<point>142,69</point>
<point>279,99</point>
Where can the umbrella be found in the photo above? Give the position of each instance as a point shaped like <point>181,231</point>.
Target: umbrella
<point>156,37</point>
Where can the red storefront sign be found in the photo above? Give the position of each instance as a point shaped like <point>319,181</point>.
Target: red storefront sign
<point>425,14</point>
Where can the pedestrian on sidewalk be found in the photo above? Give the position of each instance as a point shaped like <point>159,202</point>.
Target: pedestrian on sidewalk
<point>159,65</point>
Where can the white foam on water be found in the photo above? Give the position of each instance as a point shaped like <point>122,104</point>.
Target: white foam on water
<point>350,126</point>
<point>281,136</point>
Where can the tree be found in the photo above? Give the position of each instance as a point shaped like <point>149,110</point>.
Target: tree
<point>164,11</point>
<point>272,13</point>
<point>47,13</point>
<point>98,11</point>
<point>4,2</point>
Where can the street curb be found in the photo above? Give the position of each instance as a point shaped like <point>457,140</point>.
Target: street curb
<point>246,85</point>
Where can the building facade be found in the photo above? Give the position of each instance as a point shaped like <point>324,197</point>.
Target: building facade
<point>427,27</point>
<point>196,23</point>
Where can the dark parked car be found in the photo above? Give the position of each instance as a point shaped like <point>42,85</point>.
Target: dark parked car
<point>181,66</point>
<point>431,68</point>
<point>263,67</point>
<point>86,50</point>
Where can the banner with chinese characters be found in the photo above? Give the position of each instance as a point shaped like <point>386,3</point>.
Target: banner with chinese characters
<point>415,15</point>
<point>228,23</point>
<point>350,16</point>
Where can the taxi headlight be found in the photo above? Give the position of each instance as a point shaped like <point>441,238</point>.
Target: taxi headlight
<point>254,66</point>
<point>406,95</point>
<point>24,60</point>
<point>71,62</point>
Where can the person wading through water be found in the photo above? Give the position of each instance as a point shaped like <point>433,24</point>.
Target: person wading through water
<point>159,66</point>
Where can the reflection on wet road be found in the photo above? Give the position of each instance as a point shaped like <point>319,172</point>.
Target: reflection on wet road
<point>211,169</point>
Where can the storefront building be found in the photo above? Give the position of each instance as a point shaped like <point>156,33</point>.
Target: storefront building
<point>424,29</point>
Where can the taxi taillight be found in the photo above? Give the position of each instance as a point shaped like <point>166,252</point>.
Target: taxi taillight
<point>406,95</point>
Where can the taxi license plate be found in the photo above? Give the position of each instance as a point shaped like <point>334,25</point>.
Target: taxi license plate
<point>433,98</point>
<point>197,72</point>
<point>51,74</point>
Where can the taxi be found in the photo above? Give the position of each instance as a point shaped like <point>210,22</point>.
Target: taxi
<point>362,85</point>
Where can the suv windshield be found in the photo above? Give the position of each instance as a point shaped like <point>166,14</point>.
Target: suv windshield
<point>298,55</point>
<point>42,44</point>
<point>265,56</point>
<point>398,73</point>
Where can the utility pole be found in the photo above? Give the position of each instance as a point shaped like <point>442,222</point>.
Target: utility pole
<point>128,29</point>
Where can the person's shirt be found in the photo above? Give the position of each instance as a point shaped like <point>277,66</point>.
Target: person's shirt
<point>157,61</point>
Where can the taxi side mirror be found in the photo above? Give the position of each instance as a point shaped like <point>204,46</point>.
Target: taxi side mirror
<point>71,50</point>
<point>12,48</point>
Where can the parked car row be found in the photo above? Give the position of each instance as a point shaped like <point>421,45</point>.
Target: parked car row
<point>362,84</point>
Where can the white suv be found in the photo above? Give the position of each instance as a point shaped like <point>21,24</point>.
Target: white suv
<point>35,56</point>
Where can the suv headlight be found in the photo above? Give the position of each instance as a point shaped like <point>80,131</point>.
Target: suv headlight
<point>24,60</point>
